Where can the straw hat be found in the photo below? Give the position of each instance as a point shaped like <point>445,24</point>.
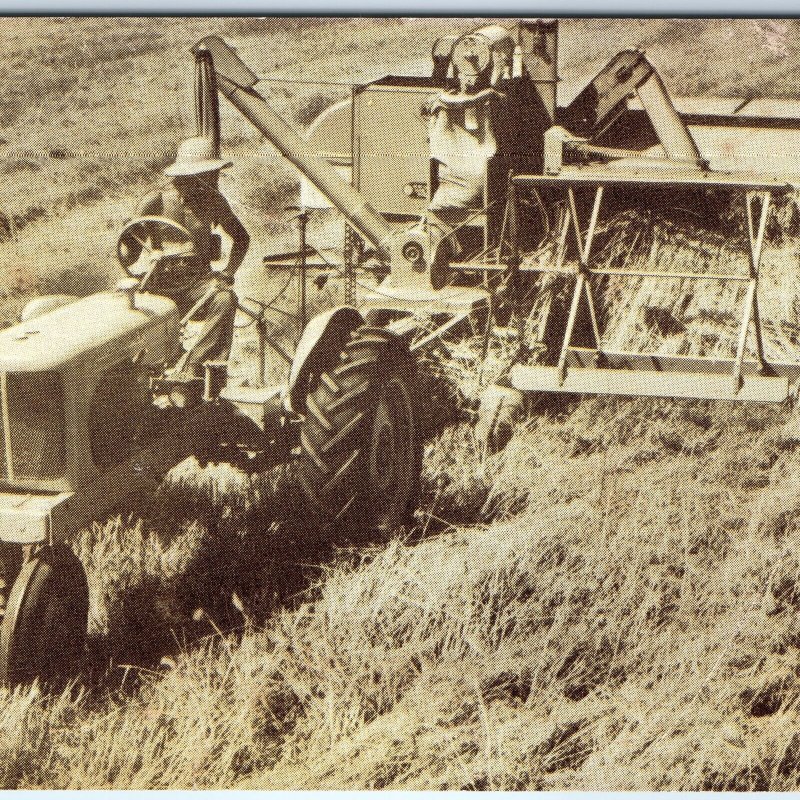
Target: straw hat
<point>196,156</point>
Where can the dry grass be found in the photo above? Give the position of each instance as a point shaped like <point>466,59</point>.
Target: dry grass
<point>610,603</point>
<point>628,621</point>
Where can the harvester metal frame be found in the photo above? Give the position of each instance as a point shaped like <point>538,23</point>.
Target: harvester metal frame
<point>582,370</point>
<point>410,253</point>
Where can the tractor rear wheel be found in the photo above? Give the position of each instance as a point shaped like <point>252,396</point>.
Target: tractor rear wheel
<point>361,456</point>
<point>43,633</point>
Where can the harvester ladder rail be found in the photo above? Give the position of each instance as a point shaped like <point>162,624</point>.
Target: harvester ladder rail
<point>750,311</point>
<point>9,456</point>
<point>582,284</point>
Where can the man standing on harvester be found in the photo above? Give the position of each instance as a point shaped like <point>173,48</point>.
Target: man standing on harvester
<point>193,200</point>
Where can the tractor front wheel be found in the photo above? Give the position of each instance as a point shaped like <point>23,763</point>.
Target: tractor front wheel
<point>43,633</point>
<point>360,459</point>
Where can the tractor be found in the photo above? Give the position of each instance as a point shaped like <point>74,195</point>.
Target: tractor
<point>90,417</point>
<point>82,431</point>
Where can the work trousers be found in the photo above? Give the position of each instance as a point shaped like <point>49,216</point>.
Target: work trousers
<point>218,314</point>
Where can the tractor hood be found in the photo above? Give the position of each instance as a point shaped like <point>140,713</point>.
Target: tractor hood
<point>80,329</point>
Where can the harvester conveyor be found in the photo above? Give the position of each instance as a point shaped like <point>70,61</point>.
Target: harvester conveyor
<point>408,291</point>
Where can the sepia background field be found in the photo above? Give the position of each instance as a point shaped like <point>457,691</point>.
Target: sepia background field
<point>610,603</point>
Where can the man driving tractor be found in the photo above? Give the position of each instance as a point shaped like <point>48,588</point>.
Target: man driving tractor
<point>193,200</point>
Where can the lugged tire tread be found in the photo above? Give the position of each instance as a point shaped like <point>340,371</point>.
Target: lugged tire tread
<point>315,457</point>
<point>332,439</point>
<point>343,432</point>
<point>329,382</point>
<point>314,408</point>
<point>348,398</point>
<point>351,366</point>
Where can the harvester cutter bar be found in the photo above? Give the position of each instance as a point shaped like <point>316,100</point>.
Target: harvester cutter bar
<point>690,385</point>
<point>645,374</point>
<point>650,375</point>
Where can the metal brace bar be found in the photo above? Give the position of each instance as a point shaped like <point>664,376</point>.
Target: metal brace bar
<point>573,313</point>
<point>581,285</point>
<point>562,241</point>
<point>440,330</point>
<point>750,310</point>
<point>625,273</point>
<point>746,314</point>
<point>573,213</point>
<point>592,313</point>
<point>598,199</point>
<point>762,361</point>
<point>757,238</point>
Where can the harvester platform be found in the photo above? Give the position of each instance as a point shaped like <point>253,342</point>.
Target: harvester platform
<point>449,300</point>
<point>593,370</point>
<point>699,379</point>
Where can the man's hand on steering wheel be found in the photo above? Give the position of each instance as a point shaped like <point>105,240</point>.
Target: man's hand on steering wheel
<point>223,281</point>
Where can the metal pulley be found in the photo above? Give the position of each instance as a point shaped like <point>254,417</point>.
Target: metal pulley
<point>483,56</point>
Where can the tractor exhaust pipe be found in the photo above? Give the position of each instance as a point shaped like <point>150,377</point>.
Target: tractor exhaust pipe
<point>236,81</point>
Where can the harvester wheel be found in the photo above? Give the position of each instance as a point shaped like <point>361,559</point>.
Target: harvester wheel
<point>501,408</point>
<point>43,633</point>
<point>360,445</point>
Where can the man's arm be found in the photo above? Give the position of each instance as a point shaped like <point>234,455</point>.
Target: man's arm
<point>151,206</point>
<point>230,223</point>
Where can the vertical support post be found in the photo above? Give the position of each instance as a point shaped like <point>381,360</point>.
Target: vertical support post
<point>750,311</point>
<point>302,221</point>
<point>598,199</point>
<point>351,254</point>
<point>9,456</point>
<point>756,253</point>
<point>514,260</point>
<point>582,284</point>
<point>513,225</point>
<point>261,330</point>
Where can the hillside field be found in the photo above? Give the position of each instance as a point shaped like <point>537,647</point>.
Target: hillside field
<point>610,603</point>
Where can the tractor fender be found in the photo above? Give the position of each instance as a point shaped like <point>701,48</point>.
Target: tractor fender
<point>44,305</point>
<point>319,348</point>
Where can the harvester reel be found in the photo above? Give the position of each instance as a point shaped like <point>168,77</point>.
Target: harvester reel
<point>360,446</point>
<point>43,633</point>
<point>154,251</point>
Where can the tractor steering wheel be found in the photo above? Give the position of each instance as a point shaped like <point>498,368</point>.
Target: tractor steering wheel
<point>156,251</point>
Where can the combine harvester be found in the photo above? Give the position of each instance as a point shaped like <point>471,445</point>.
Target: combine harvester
<point>464,154</point>
<point>463,191</point>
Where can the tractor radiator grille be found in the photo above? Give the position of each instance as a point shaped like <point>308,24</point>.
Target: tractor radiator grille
<point>32,444</point>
